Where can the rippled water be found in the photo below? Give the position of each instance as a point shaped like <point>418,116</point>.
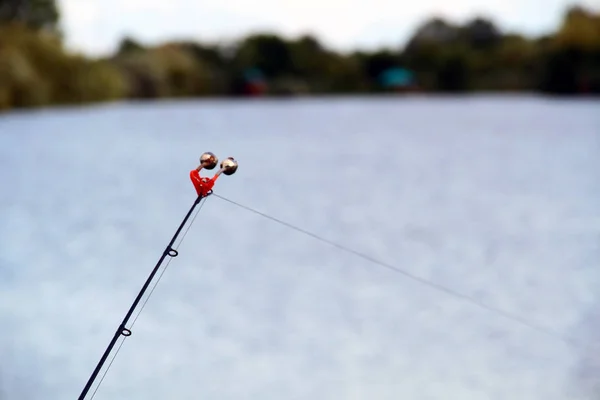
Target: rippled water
<point>495,198</point>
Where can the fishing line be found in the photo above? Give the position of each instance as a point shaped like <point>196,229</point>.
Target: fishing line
<point>168,262</point>
<point>203,187</point>
<point>436,286</point>
<point>164,269</point>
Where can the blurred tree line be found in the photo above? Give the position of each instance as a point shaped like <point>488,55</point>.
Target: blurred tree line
<point>37,70</point>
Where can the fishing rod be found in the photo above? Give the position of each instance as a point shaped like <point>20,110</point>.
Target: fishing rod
<point>203,188</point>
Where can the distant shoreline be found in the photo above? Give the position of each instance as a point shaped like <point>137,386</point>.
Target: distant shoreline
<point>441,59</point>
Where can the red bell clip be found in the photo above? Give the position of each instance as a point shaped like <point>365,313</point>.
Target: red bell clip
<point>209,161</point>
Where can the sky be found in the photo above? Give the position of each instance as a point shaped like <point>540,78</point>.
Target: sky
<point>502,210</point>
<point>96,26</point>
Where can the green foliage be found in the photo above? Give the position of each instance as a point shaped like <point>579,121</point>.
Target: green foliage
<point>267,52</point>
<point>571,59</point>
<point>36,70</point>
<point>20,83</point>
<point>35,14</point>
<point>165,71</point>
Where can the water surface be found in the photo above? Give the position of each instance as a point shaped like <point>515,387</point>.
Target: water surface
<point>495,198</point>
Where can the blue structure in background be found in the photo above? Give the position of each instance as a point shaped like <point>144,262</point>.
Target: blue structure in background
<point>255,83</point>
<point>254,75</point>
<point>397,78</point>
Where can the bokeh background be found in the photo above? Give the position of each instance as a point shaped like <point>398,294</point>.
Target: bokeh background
<point>147,50</point>
<point>448,154</point>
